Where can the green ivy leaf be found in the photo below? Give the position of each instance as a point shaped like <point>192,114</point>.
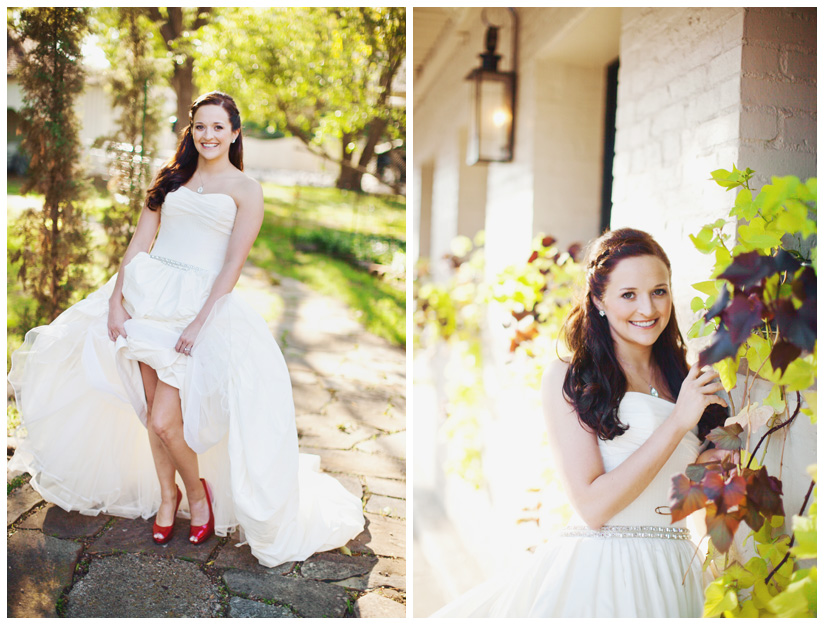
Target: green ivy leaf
<point>727,369</point>
<point>804,529</point>
<point>747,610</point>
<point>758,568</point>
<point>800,375</point>
<point>761,595</point>
<point>774,399</point>
<point>810,400</point>
<point>697,304</point>
<point>719,598</point>
<point>723,261</point>
<point>756,235</point>
<point>794,601</point>
<point>744,208</point>
<point>709,287</point>
<point>794,219</point>
<point>703,240</point>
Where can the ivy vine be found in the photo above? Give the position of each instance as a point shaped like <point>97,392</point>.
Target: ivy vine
<point>760,306</point>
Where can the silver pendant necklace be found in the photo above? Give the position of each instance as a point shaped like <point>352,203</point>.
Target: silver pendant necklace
<point>200,189</point>
<point>652,389</point>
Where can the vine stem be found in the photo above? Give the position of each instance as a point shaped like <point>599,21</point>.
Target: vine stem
<point>790,545</point>
<point>777,427</point>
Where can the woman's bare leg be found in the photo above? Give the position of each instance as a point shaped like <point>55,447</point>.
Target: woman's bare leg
<point>164,466</point>
<point>167,424</point>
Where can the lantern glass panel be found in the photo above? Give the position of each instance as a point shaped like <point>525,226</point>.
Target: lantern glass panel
<point>492,118</point>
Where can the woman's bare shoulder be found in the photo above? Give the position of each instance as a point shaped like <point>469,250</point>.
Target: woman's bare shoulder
<point>554,374</point>
<point>246,190</point>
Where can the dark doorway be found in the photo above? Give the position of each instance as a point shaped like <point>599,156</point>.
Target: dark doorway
<point>609,142</point>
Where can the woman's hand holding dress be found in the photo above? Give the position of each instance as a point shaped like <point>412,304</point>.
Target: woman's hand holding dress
<point>117,316</point>
<point>188,336</point>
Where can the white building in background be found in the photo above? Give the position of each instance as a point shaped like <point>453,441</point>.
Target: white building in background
<point>621,114</point>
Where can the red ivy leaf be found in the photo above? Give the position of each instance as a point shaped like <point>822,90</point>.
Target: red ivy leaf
<point>734,492</point>
<point>804,285</point>
<point>751,515</point>
<point>742,315</point>
<point>764,492</point>
<point>713,484</point>
<point>797,326</point>
<point>533,257</point>
<point>686,497</point>
<point>722,527</point>
<point>726,437</point>
<point>782,354</point>
<point>720,347</point>
<point>719,305</point>
<point>749,268</point>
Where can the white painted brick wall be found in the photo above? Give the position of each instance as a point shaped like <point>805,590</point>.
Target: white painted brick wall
<point>778,92</point>
<point>679,76</point>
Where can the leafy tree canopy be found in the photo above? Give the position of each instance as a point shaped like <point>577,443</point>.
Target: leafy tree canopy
<point>319,74</point>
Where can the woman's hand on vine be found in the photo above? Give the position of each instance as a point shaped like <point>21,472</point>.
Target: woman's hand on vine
<point>697,393</point>
<point>187,338</point>
<point>117,317</point>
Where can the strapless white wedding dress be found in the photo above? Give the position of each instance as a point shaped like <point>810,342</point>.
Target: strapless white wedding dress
<point>637,565</point>
<point>83,408</point>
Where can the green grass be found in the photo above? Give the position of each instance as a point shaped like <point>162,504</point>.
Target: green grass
<point>325,238</point>
<point>379,304</point>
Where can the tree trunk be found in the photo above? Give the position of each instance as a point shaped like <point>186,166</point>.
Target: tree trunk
<point>184,86</point>
<point>349,177</point>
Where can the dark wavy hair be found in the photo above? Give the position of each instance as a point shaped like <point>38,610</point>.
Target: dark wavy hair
<point>181,167</point>
<point>595,382</point>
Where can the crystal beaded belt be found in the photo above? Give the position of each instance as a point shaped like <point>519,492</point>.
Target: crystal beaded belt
<point>176,264</point>
<point>610,532</point>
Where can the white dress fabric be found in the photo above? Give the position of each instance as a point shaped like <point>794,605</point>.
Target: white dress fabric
<point>607,576</point>
<point>83,408</point>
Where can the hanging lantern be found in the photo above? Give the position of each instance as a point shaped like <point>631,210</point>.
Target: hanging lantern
<point>492,107</point>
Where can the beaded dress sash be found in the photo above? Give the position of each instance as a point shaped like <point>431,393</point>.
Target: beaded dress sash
<point>612,532</point>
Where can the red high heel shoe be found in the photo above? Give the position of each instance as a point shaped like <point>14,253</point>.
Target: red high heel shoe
<point>199,534</point>
<point>162,534</point>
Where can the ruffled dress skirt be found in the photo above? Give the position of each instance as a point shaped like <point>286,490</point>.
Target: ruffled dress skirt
<point>83,409</point>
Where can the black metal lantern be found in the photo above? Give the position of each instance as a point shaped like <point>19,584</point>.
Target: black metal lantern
<point>492,107</point>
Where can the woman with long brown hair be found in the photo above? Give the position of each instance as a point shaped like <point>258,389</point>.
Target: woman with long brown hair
<point>167,341</point>
<point>624,414</point>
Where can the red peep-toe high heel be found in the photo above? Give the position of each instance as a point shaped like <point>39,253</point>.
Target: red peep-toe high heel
<point>162,534</point>
<point>199,534</point>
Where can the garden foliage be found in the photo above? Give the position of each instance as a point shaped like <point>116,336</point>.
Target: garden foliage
<point>54,238</point>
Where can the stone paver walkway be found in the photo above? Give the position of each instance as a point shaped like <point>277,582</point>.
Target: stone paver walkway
<point>350,398</point>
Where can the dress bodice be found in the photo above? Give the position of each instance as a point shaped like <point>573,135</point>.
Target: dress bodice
<point>195,228</point>
<point>644,414</point>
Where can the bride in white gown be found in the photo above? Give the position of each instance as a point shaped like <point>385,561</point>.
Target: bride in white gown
<point>624,415</point>
<point>168,342</point>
